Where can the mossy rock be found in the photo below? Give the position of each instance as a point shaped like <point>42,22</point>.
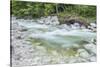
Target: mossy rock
<point>74,19</point>
<point>71,52</point>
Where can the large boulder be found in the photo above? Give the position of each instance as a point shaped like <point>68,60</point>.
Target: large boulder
<point>80,22</point>
<point>72,20</point>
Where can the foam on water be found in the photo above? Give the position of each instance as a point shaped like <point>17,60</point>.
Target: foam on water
<point>58,36</point>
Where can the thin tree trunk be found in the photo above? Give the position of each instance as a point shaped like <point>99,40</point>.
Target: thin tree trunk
<point>57,9</point>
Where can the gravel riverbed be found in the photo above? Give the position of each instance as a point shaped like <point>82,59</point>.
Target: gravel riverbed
<point>24,53</point>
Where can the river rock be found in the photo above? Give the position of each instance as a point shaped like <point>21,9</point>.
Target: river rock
<point>91,47</point>
<point>83,53</point>
<point>93,25</point>
<point>64,26</point>
<point>50,20</point>
<point>93,59</point>
<point>26,53</point>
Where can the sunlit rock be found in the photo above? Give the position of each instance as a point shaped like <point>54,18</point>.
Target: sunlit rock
<point>91,48</point>
<point>83,53</point>
<point>93,59</point>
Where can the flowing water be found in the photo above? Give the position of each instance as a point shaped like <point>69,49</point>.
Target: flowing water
<point>53,36</point>
<point>38,42</point>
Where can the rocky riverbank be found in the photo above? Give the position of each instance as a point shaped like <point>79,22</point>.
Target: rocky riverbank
<point>26,53</point>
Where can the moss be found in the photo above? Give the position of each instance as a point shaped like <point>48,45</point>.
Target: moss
<point>65,52</point>
<point>70,52</point>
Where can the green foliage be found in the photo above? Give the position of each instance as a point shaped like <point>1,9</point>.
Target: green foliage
<point>38,9</point>
<point>22,9</point>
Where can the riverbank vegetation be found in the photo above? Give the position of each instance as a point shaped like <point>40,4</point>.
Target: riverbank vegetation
<point>63,11</point>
